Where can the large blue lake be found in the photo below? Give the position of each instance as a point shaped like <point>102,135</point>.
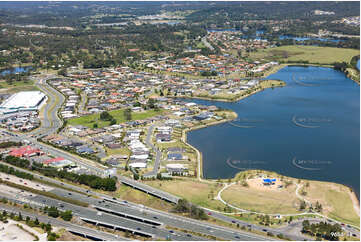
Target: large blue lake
<point>308,129</point>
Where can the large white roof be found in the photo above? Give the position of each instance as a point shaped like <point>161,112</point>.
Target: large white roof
<point>28,99</point>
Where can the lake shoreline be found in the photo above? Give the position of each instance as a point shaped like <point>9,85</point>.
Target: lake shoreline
<point>208,99</point>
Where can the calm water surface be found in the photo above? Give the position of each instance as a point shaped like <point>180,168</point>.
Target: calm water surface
<point>307,129</point>
<point>15,70</point>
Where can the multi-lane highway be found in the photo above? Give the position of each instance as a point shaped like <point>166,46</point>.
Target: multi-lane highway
<point>109,212</point>
<point>71,227</point>
<point>148,216</point>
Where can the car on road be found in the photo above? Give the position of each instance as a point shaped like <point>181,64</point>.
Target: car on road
<point>209,213</point>
<point>139,228</point>
<point>237,237</point>
<point>264,230</point>
<point>233,221</point>
<point>69,193</point>
<point>155,217</point>
<point>188,235</point>
<point>171,231</point>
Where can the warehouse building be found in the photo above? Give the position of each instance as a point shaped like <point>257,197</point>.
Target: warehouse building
<point>23,101</point>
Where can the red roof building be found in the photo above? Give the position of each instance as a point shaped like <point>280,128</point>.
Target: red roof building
<point>25,151</point>
<point>47,162</point>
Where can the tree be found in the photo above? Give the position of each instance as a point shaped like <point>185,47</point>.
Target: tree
<point>95,125</point>
<point>67,215</point>
<point>128,114</point>
<point>20,217</point>
<point>113,121</point>
<point>302,205</point>
<point>53,212</point>
<point>151,103</point>
<point>318,207</point>
<point>48,227</point>
<point>105,116</point>
<point>62,72</point>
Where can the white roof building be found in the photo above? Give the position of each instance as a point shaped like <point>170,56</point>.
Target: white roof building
<point>24,100</point>
<point>138,165</point>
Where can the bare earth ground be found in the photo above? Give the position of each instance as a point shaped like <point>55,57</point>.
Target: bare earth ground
<point>355,202</point>
<point>11,232</point>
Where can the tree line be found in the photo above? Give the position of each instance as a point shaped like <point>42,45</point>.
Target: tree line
<point>93,181</point>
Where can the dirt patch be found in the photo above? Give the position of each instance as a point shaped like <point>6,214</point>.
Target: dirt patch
<point>257,183</point>
<point>355,202</point>
<point>67,236</point>
<point>14,233</point>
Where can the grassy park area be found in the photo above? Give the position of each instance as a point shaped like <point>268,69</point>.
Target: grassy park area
<point>256,199</point>
<point>17,86</point>
<point>336,199</point>
<point>250,193</point>
<point>310,54</point>
<point>90,120</point>
<point>200,193</point>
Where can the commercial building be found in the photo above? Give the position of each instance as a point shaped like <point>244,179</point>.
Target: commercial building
<point>23,101</point>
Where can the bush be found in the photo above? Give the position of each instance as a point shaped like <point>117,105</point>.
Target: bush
<point>67,215</point>
<point>53,212</point>
<point>107,184</point>
<point>183,206</point>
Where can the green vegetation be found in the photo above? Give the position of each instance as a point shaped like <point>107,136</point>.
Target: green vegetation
<point>18,84</point>
<point>199,193</point>
<point>32,223</point>
<point>282,201</point>
<point>12,171</point>
<point>305,54</point>
<point>8,144</point>
<point>54,212</point>
<point>120,116</point>
<point>322,230</point>
<point>107,184</point>
<point>183,206</point>
<point>337,201</point>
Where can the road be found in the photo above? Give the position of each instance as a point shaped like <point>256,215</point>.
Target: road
<point>158,153</point>
<point>103,219</point>
<point>145,214</point>
<point>71,227</point>
<point>133,209</point>
<point>206,43</point>
<point>81,106</point>
<point>51,122</point>
<point>148,189</point>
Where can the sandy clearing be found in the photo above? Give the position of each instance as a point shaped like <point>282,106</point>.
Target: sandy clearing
<point>11,232</point>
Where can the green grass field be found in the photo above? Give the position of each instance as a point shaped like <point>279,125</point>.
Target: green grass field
<point>272,201</point>
<point>336,200</point>
<point>90,120</point>
<point>17,86</point>
<point>199,193</point>
<point>312,54</point>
